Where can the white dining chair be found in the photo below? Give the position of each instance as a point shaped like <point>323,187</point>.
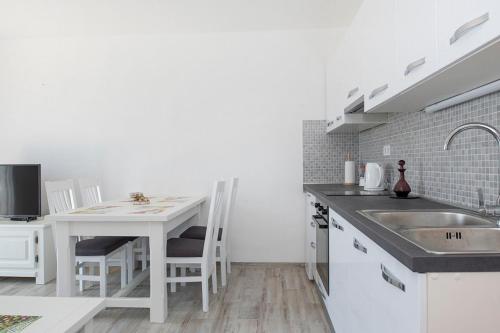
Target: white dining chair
<point>183,252</point>
<point>90,192</point>
<point>99,250</point>
<point>198,232</point>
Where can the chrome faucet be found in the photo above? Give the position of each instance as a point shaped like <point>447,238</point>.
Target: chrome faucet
<point>483,209</point>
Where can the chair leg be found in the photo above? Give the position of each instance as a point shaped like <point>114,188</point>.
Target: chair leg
<point>80,272</point>
<point>183,274</point>
<point>102,278</point>
<point>123,267</point>
<point>130,261</point>
<point>223,265</point>
<point>204,287</point>
<point>144,254</point>
<point>214,278</point>
<point>173,285</point>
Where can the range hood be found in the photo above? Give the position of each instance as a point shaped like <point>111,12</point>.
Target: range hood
<point>357,106</point>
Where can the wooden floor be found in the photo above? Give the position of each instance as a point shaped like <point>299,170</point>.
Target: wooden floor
<point>258,298</point>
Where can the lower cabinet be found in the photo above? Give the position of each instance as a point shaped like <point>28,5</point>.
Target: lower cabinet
<point>372,291</point>
<point>310,232</point>
<point>27,250</point>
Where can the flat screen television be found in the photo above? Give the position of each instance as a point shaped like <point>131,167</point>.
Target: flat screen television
<point>20,191</point>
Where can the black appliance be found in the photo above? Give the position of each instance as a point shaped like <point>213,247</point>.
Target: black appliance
<point>322,245</point>
<point>20,191</point>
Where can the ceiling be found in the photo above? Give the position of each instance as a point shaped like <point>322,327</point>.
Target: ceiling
<point>24,18</point>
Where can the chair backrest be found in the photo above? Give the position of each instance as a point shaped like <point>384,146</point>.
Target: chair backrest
<point>90,192</point>
<point>60,195</point>
<point>214,217</point>
<point>228,207</point>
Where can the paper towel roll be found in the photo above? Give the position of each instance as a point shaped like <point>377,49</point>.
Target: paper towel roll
<point>349,172</point>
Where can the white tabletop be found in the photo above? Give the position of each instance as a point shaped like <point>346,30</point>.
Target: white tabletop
<point>58,314</point>
<point>160,208</point>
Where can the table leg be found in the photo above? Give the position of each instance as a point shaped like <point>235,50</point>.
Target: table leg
<point>158,292</point>
<point>65,247</point>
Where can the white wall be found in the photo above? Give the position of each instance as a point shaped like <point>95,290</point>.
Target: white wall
<point>169,114</point>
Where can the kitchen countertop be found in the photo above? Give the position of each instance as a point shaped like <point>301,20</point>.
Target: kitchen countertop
<point>407,253</point>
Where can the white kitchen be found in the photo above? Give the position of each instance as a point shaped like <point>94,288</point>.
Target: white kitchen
<point>250,166</point>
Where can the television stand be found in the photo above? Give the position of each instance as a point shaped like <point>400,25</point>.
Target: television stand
<point>26,219</point>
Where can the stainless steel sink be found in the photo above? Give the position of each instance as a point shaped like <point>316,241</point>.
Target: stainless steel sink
<point>441,231</point>
<point>455,240</point>
<point>397,219</point>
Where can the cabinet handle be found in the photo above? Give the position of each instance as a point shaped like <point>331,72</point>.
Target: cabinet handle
<point>337,226</point>
<point>358,246</point>
<point>338,118</point>
<point>413,65</point>
<point>378,90</point>
<point>352,92</point>
<point>313,224</point>
<point>391,279</point>
<point>465,28</point>
<point>313,245</point>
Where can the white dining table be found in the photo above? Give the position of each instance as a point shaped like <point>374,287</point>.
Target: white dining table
<point>124,218</point>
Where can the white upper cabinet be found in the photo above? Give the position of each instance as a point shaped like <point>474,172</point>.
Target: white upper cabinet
<point>377,50</point>
<point>416,41</point>
<point>463,26</point>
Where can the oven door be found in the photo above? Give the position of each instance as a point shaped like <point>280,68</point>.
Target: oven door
<point>322,258</point>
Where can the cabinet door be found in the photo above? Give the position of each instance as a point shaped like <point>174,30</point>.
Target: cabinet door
<point>378,49</point>
<point>337,74</point>
<point>416,40</point>
<point>310,225</point>
<point>464,26</point>
<point>374,292</point>
<point>17,249</point>
<point>340,266</point>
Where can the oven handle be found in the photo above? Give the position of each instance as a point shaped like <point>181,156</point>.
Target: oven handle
<point>320,221</point>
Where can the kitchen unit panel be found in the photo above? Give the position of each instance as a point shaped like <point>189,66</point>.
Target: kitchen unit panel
<point>464,26</point>
<point>416,41</point>
<point>310,228</point>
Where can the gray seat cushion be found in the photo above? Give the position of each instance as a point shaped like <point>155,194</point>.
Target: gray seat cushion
<point>100,246</point>
<point>198,232</point>
<point>185,247</point>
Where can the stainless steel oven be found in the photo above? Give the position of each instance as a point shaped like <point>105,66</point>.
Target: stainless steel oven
<point>322,245</point>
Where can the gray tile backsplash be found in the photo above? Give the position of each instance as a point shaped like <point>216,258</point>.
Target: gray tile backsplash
<point>324,155</point>
<point>451,176</point>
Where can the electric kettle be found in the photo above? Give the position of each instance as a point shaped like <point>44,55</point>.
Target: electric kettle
<point>374,177</point>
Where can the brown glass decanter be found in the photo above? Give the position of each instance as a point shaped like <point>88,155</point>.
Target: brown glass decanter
<point>402,188</point>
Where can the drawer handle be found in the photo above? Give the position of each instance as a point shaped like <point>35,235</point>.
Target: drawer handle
<point>378,90</point>
<point>358,246</point>
<point>352,92</point>
<point>313,245</point>
<point>414,65</point>
<point>391,279</point>
<point>313,224</point>
<point>337,226</point>
<point>465,28</point>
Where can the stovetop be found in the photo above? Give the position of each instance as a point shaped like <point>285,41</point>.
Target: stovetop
<point>360,192</point>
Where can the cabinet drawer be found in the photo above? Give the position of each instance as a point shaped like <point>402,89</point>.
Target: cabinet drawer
<point>17,249</point>
<point>464,26</point>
